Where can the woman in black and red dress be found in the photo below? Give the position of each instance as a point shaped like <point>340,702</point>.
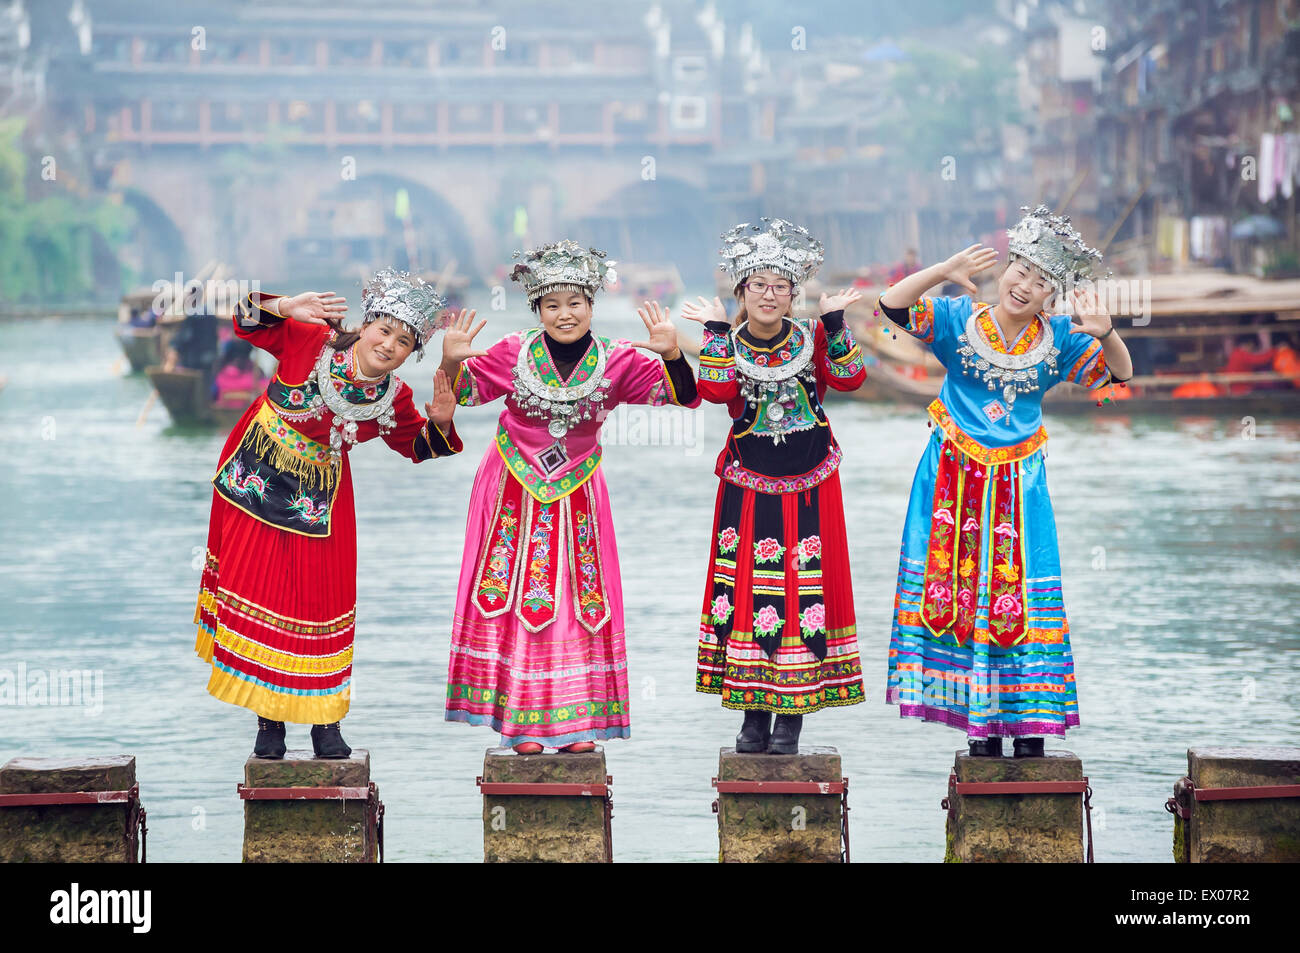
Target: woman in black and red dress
<point>278,597</point>
<point>777,630</point>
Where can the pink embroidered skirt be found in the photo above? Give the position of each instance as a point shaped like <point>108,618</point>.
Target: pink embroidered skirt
<point>523,659</point>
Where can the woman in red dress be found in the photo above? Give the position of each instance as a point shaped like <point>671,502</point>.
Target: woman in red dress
<point>277,601</point>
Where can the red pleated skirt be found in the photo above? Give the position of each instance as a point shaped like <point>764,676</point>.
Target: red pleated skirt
<point>777,628</point>
<point>276,612</point>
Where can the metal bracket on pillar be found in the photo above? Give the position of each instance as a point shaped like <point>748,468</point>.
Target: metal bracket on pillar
<point>840,787</point>
<point>555,789</point>
<point>136,832</point>
<point>368,794</point>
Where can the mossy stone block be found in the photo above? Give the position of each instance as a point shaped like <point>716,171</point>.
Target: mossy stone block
<point>317,831</point>
<point>780,828</point>
<point>1016,828</point>
<point>528,828</point>
<point>73,833</point>
<point>1243,831</point>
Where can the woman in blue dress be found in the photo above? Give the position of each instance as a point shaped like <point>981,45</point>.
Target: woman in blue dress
<point>980,640</point>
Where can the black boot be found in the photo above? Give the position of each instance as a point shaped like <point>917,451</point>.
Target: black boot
<point>327,741</point>
<point>754,733</point>
<point>1027,747</point>
<point>270,739</point>
<point>785,735</point>
<point>985,747</point>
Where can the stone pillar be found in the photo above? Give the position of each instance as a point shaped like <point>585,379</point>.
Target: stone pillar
<point>82,833</point>
<point>523,823</point>
<point>1016,828</point>
<point>1221,828</point>
<point>332,829</point>
<point>771,826</point>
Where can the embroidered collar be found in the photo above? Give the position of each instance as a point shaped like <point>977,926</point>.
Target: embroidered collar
<point>991,331</point>
<point>779,361</point>
<point>543,361</point>
<point>782,336</point>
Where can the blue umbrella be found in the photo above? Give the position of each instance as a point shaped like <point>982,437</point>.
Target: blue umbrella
<point>1258,226</point>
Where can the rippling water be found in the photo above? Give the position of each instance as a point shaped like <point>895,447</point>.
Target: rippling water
<point>1179,542</point>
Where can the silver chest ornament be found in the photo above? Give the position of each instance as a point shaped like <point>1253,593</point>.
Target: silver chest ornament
<point>1013,373</point>
<point>772,389</point>
<point>343,428</point>
<point>562,406</point>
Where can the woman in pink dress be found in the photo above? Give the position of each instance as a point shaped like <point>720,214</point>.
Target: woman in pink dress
<point>537,646</point>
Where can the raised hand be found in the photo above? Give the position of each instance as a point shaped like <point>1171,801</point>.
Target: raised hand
<point>313,307</point>
<point>1090,314</point>
<point>458,338</point>
<point>967,263</point>
<point>443,405</point>
<point>663,336</point>
<point>840,301</point>
<point>704,311</point>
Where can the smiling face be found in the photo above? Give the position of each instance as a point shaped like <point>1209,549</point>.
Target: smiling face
<point>565,315</point>
<point>1022,292</point>
<point>766,308</point>
<point>383,346</point>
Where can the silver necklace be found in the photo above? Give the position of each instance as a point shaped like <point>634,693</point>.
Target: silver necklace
<point>346,414</point>
<point>1013,373</point>
<point>563,406</point>
<point>774,386</point>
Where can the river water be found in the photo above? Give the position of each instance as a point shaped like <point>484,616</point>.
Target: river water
<point>1180,545</point>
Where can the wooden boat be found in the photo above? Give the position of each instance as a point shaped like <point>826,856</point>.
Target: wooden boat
<point>142,346</point>
<point>1181,341</point>
<point>185,393</point>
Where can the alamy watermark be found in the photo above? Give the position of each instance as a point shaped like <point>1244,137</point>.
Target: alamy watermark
<point>182,297</point>
<point>65,688</point>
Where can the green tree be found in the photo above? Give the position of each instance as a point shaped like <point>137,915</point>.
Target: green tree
<point>46,244</point>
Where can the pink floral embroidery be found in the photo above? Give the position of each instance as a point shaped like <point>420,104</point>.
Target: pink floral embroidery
<point>965,598</point>
<point>727,540</point>
<point>768,550</point>
<point>767,622</point>
<point>721,609</point>
<point>1007,604</point>
<point>970,524</point>
<point>297,397</point>
<point>813,620</point>
<point>1005,529</point>
<point>944,516</point>
<point>940,593</point>
<point>810,547</point>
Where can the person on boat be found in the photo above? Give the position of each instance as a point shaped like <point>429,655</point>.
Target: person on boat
<point>194,345</point>
<point>777,629</point>
<point>1246,356</point>
<point>1287,361</point>
<point>910,265</point>
<point>238,378</point>
<point>537,643</point>
<point>277,601</point>
<point>980,640</point>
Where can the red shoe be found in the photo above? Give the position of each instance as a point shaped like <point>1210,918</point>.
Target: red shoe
<point>580,746</point>
<point>528,747</point>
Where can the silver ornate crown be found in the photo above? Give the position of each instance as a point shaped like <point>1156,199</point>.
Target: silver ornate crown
<point>782,247</point>
<point>1053,246</point>
<point>563,266</point>
<point>412,301</point>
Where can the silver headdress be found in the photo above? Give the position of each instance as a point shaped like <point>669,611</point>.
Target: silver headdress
<point>412,301</point>
<point>1054,247</point>
<point>787,249</point>
<point>563,266</point>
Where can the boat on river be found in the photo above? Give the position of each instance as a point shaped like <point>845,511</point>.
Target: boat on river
<point>1179,346</point>
<point>142,343</point>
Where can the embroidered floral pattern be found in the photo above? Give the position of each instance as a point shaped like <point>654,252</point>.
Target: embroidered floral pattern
<point>845,357</point>
<point>542,489</point>
<point>977,451</point>
<point>810,548</point>
<point>494,584</point>
<point>768,550</point>
<point>767,622</point>
<point>750,480</point>
<point>727,540</point>
<point>308,510</point>
<point>722,609</point>
<point>591,601</point>
<point>539,596</point>
<point>717,362</point>
<point>812,621</point>
<point>241,482</point>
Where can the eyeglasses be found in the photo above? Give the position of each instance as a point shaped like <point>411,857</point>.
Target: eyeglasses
<point>781,289</point>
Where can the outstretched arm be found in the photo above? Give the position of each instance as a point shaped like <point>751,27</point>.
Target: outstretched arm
<point>960,268</point>
<point>717,375</point>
